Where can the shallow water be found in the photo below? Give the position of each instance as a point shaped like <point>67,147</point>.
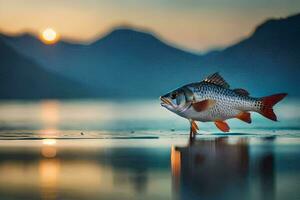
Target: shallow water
<point>138,150</point>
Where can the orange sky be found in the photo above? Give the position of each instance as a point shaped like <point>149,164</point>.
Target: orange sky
<point>192,24</point>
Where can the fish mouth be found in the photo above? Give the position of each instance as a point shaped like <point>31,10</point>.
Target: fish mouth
<point>165,102</point>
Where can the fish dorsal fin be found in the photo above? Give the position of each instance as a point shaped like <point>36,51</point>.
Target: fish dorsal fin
<point>217,79</point>
<point>241,91</point>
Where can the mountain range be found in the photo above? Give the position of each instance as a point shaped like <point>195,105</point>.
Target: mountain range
<point>130,63</point>
<point>22,78</point>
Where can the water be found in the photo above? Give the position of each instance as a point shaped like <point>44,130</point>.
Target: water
<point>138,150</point>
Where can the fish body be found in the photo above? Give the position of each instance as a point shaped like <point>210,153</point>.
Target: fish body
<point>228,104</point>
<point>212,100</point>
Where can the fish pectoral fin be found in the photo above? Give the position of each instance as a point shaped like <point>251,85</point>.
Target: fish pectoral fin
<point>203,105</point>
<point>244,116</point>
<point>222,125</point>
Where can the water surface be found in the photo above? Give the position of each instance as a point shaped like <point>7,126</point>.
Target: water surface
<point>138,150</point>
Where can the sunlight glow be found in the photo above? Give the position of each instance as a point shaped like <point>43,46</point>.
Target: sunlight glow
<point>49,170</point>
<point>50,114</point>
<point>49,142</point>
<point>49,36</point>
<point>49,149</point>
<point>48,152</point>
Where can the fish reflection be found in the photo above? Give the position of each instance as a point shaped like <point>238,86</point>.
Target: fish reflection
<point>221,168</point>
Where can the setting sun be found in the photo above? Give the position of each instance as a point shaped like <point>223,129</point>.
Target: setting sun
<point>49,36</point>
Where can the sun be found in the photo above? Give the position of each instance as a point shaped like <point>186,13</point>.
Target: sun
<point>49,36</point>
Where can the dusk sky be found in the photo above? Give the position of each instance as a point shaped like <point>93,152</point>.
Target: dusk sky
<point>196,25</point>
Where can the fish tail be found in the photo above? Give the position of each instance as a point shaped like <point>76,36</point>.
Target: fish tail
<point>267,103</point>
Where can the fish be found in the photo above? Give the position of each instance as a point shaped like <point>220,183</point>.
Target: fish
<point>212,100</point>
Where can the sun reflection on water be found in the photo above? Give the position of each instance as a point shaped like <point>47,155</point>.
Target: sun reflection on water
<point>49,170</point>
<point>50,116</point>
<point>49,149</point>
<point>49,141</point>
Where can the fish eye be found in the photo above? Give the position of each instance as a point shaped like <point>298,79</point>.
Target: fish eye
<point>174,95</point>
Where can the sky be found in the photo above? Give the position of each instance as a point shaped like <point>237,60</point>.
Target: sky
<point>195,25</point>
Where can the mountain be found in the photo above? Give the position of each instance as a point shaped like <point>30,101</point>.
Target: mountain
<point>129,62</point>
<point>132,63</point>
<point>267,61</point>
<point>22,78</point>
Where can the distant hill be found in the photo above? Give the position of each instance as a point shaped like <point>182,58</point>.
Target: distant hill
<point>267,61</point>
<point>131,63</point>
<point>21,78</point>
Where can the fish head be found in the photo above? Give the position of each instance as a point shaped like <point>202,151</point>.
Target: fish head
<point>174,100</point>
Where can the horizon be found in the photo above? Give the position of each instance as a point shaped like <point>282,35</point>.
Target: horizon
<point>178,24</point>
<point>141,30</point>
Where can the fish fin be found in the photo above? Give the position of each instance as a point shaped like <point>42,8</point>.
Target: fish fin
<point>222,125</point>
<point>241,91</point>
<point>267,105</point>
<point>244,116</point>
<point>217,79</point>
<point>203,105</point>
<point>194,127</point>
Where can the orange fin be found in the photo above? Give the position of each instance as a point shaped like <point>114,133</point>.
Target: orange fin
<point>267,105</point>
<point>203,105</point>
<point>241,91</point>
<point>194,127</point>
<point>244,116</point>
<point>222,125</point>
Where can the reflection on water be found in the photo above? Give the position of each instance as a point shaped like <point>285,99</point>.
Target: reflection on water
<point>51,117</point>
<point>83,172</point>
<point>176,168</point>
<point>48,173</point>
<point>226,169</point>
<point>50,113</point>
<point>72,150</point>
<point>208,168</point>
<point>48,149</point>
